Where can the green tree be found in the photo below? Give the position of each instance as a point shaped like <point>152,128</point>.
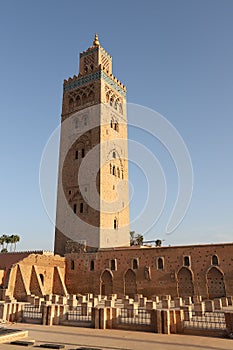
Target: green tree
<point>135,239</point>
<point>139,239</point>
<point>158,242</point>
<point>3,241</point>
<point>14,240</point>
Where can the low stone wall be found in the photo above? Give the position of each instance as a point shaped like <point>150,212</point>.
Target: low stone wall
<point>159,315</point>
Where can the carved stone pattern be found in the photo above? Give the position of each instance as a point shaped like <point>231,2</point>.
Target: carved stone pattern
<point>113,99</point>
<point>89,60</point>
<point>93,77</point>
<point>104,61</point>
<point>81,97</point>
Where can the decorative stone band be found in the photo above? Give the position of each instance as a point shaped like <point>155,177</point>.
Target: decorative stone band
<point>93,77</point>
<point>92,50</point>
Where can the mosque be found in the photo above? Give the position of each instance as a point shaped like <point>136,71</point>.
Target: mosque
<point>92,252</point>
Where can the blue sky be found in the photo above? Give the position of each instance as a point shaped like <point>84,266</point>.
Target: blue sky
<point>175,57</point>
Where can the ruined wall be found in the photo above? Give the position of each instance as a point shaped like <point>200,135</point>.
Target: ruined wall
<point>36,274</point>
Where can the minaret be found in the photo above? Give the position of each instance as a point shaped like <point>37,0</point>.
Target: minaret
<point>92,198</point>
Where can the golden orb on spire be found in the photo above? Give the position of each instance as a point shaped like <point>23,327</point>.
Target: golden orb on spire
<point>96,41</point>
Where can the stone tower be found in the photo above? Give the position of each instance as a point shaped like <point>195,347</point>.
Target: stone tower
<point>92,197</point>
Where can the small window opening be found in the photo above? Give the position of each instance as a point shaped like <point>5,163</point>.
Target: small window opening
<point>215,260</point>
<point>160,264</point>
<point>113,265</point>
<point>92,265</point>
<point>72,265</point>
<point>186,261</point>
<point>75,208</point>
<point>83,152</point>
<point>81,208</point>
<point>135,264</point>
<point>76,155</point>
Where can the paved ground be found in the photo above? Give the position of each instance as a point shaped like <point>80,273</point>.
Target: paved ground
<point>74,337</point>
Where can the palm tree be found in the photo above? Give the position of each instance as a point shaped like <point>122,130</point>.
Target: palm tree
<point>139,239</point>
<point>15,239</point>
<point>7,240</point>
<point>3,240</point>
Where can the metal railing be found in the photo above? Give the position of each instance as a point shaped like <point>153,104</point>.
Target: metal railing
<point>138,317</point>
<point>80,313</point>
<point>206,320</point>
<point>31,311</point>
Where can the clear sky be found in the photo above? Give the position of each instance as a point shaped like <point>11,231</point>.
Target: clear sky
<point>175,57</point>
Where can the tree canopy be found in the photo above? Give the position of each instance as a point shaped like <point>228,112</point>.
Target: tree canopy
<point>5,240</point>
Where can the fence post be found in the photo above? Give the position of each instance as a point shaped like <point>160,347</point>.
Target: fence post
<point>3,311</point>
<point>44,310</point>
<point>158,314</point>
<point>165,321</point>
<point>154,320</point>
<point>50,315</point>
<point>97,317</point>
<point>179,321</point>
<point>229,322</point>
<point>102,318</point>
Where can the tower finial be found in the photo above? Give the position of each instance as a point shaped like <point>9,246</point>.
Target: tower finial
<point>96,41</point>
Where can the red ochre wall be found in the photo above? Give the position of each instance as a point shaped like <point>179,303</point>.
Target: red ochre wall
<point>79,278</point>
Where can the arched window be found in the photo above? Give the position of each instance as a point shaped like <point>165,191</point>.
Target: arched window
<point>83,152</point>
<point>91,96</point>
<point>92,265</point>
<point>186,261</point>
<point>85,120</point>
<point>116,126</point>
<point>120,108</point>
<point>114,154</point>
<point>122,174</point>
<point>76,154</point>
<point>115,224</point>
<point>81,208</point>
<point>113,170</point>
<point>92,67</point>
<point>111,123</point>
<point>135,264</point>
<point>84,98</point>
<point>215,260</point>
<point>75,208</point>
<point>111,101</point>
<point>78,101</point>
<point>71,103</point>
<point>118,172</point>
<point>160,264</point>
<point>72,264</point>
